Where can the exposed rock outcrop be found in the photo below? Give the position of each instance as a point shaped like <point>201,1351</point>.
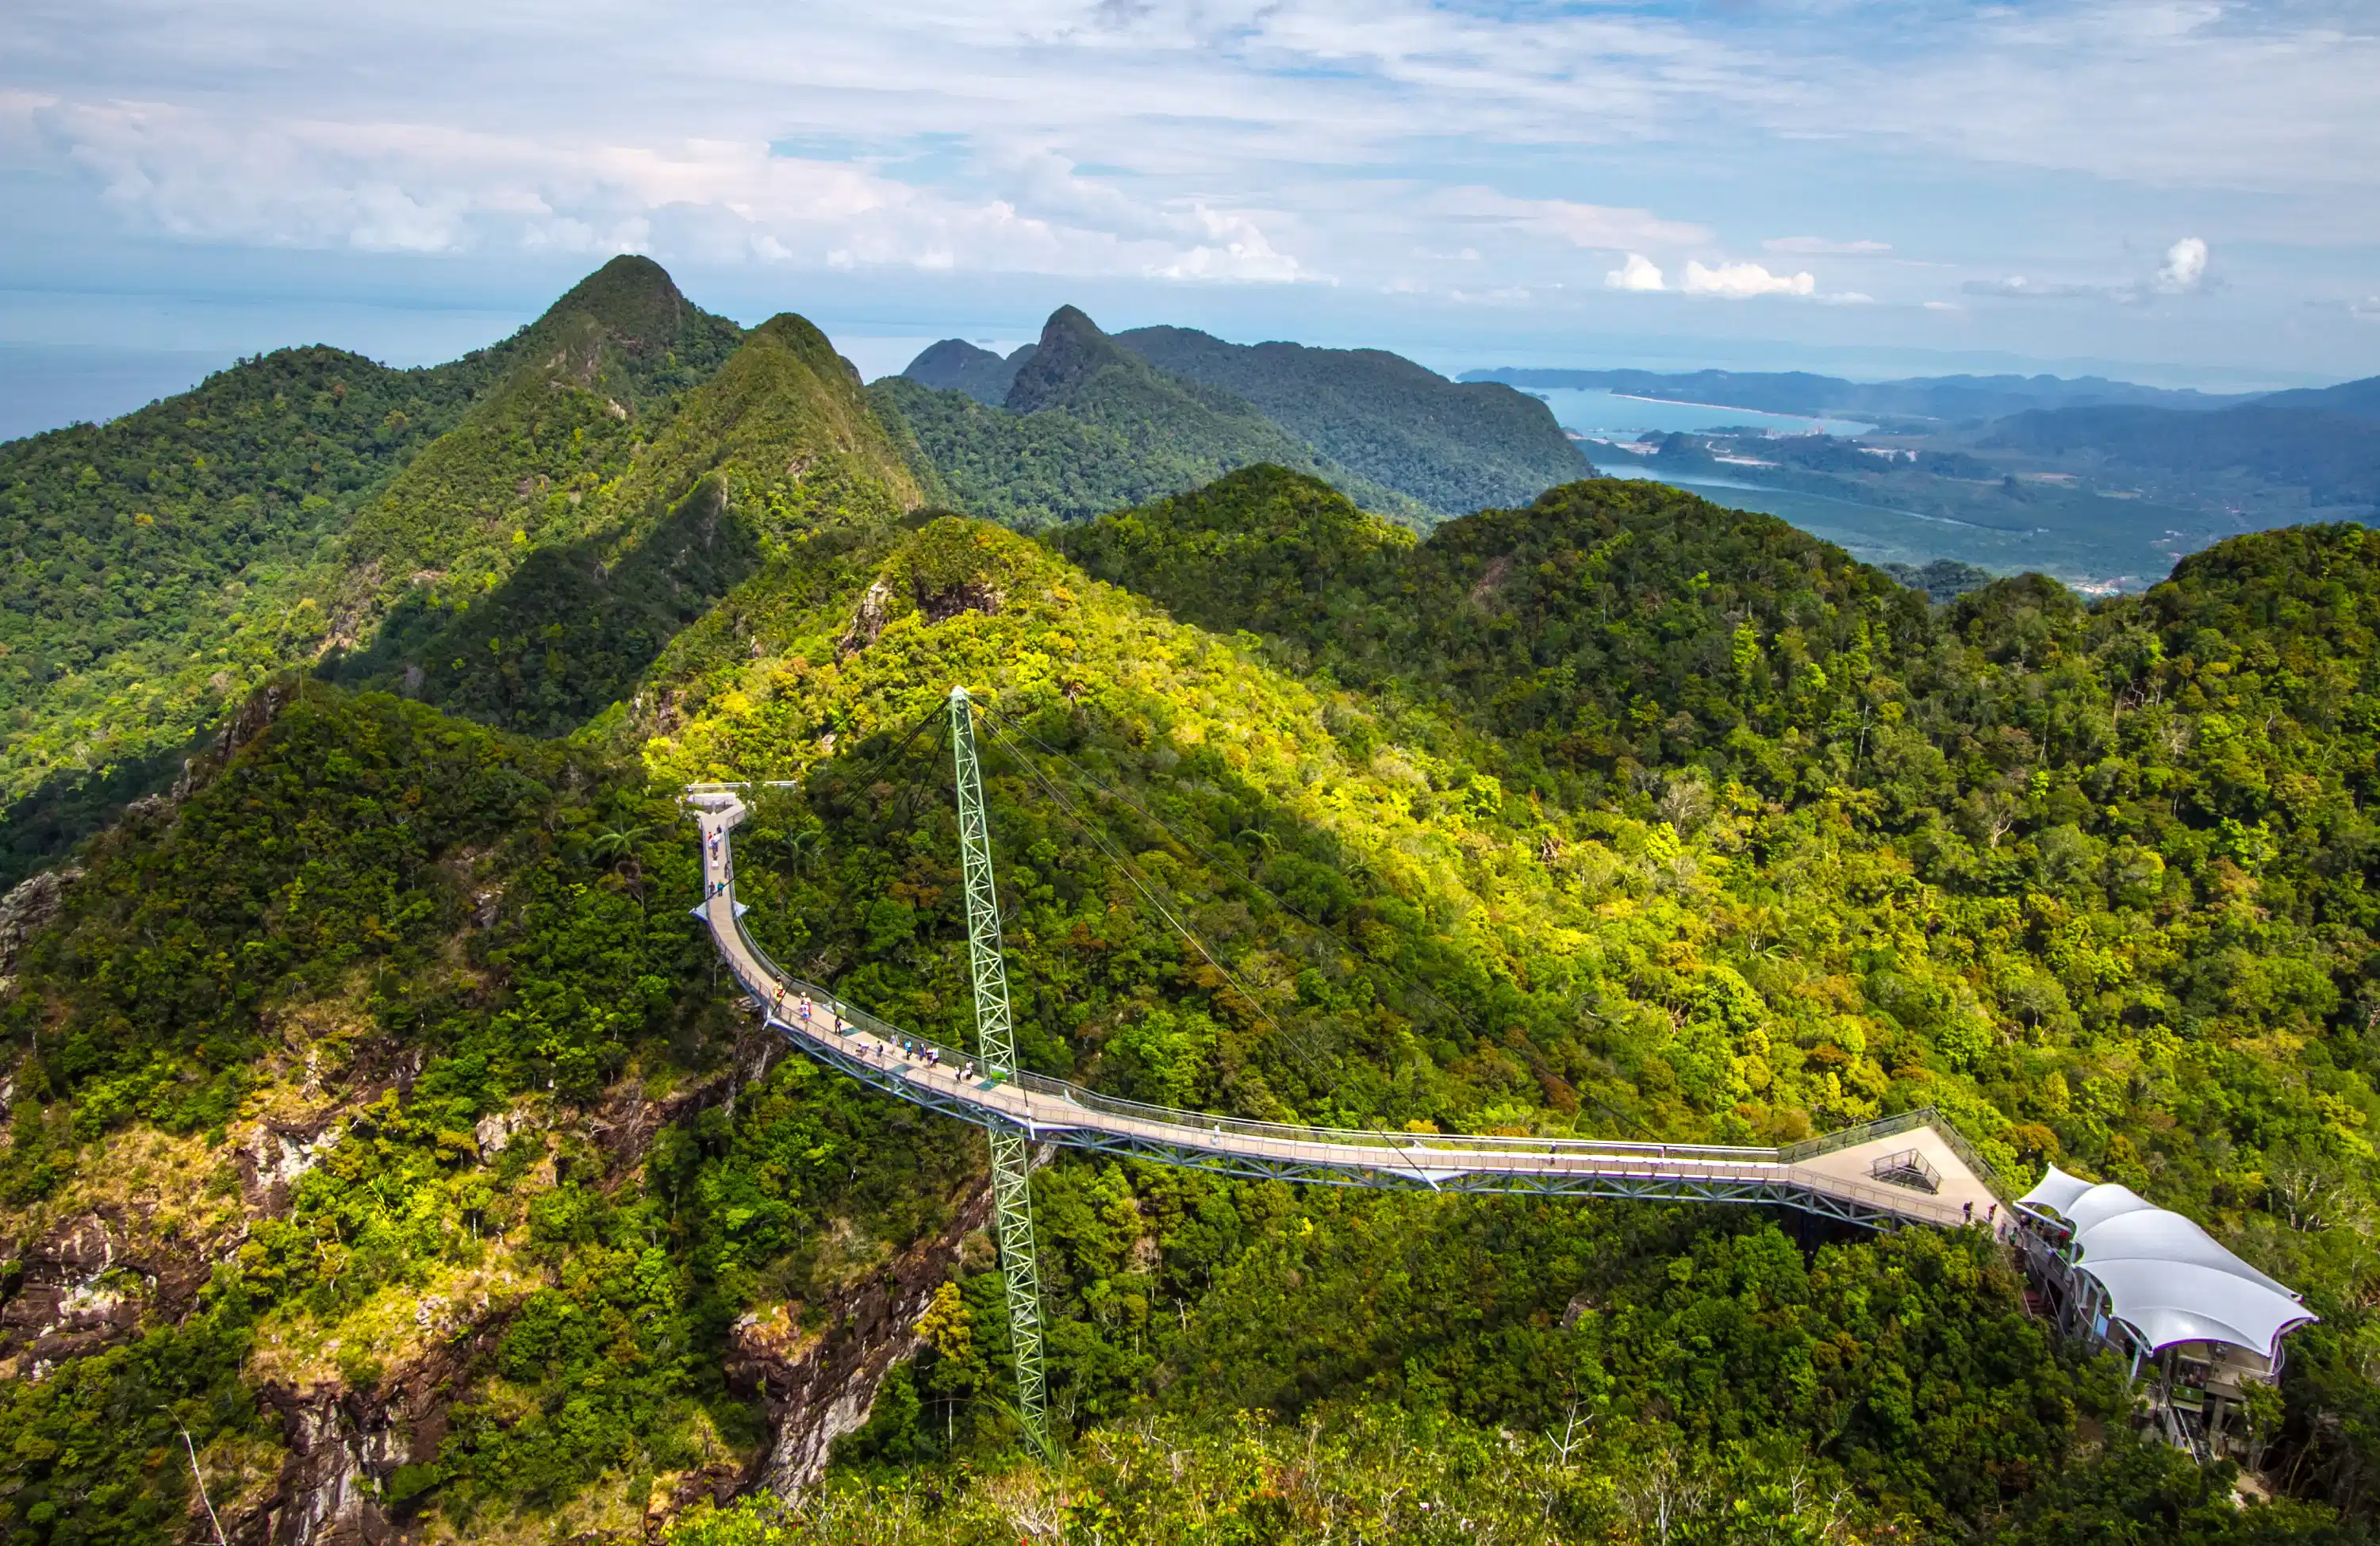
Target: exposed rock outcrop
<point>866,623</point>
<point>30,904</point>
<point>344,1446</point>
<point>820,1385</point>
<point>75,1291</point>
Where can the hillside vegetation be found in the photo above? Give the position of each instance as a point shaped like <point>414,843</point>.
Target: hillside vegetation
<point>1455,448</point>
<point>460,963</point>
<point>1088,426</point>
<point>156,565</point>
<point>2101,870</point>
<point>385,1150</point>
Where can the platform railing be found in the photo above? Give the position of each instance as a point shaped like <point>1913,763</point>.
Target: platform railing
<point>1054,1105</point>
<point>1893,1125</point>
<point>1285,1139</point>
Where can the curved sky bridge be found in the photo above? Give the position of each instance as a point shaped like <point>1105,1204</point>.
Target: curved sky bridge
<point>1914,1168</point>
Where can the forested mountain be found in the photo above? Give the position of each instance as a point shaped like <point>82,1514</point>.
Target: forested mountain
<point>2333,457</point>
<point>542,628</point>
<point>1402,440</point>
<point>2356,399</point>
<point>1456,448</point>
<point>591,382</point>
<point>170,561</point>
<point>385,1152</point>
<point>156,565</point>
<point>1950,398</point>
<point>955,365</point>
<point>1088,426</point>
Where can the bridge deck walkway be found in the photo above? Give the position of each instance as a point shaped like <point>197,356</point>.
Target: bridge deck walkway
<point>1833,1176</point>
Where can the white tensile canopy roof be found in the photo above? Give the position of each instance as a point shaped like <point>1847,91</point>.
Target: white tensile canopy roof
<point>2166,1277</point>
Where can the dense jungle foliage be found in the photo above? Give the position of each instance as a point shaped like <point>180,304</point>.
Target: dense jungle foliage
<point>1088,426</point>
<point>955,365</point>
<point>1749,954</point>
<point>428,927</point>
<point>167,563</point>
<point>154,564</point>
<point>387,1060</point>
<point>1375,1475</point>
<point>1456,448</point>
<point>2095,879</point>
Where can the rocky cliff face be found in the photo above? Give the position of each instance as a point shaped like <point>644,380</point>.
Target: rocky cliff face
<point>820,1386</point>
<point>29,905</point>
<point>96,1275</point>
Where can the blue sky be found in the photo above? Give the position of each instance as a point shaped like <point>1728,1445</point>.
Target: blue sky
<point>2179,191</point>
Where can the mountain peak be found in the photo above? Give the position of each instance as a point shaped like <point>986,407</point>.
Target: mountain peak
<point>633,297</point>
<point>955,365</point>
<point>628,321</point>
<point>1072,350</point>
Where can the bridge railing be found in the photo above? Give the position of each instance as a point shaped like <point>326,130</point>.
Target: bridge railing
<point>1888,1127</point>
<point>1288,1135</point>
<point>1282,1137</point>
<point>1093,1102</point>
<point>1678,1161</point>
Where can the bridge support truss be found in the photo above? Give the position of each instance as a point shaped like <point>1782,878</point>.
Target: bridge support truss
<point>1011,1147</point>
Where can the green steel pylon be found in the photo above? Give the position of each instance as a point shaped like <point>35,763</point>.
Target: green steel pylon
<point>995,1036</point>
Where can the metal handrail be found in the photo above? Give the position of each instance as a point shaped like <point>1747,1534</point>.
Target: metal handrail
<point>1900,1122</point>
<point>1723,1161</point>
<point>1189,1129</point>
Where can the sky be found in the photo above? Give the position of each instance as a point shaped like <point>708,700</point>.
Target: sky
<point>2186,193</point>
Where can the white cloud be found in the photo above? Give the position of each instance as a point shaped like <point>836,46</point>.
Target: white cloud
<point>407,187</point>
<point>2185,268</point>
<point>1944,306</point>
<point>2183,272</point>
<point>1639,273</point>
<point>2016,287</point>
<point>1238,250</point>
<point>1819,247</point>
<point>1591,225</point>
<point>1742,281</point>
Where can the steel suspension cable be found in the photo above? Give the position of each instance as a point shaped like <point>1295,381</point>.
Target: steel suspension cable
<point>1296,1040</point>
<point>1098,841</point>
<point>1282,903</point>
